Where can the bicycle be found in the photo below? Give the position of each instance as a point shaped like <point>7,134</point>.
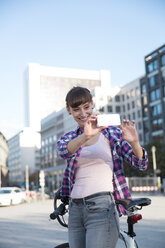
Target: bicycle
<point>127,238</point>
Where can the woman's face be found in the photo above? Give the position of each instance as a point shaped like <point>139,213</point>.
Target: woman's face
<point>81,113</point>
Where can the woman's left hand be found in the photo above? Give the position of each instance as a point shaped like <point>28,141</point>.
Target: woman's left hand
<point>129,132</point>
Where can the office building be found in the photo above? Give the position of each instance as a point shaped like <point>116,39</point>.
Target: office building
<point>52,128</point>
<point>3,161</point>
<point>46,88</point>
<point>153,96</point>
<point>24,150</point>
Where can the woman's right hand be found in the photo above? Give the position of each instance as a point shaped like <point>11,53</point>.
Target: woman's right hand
<point>90,128</point>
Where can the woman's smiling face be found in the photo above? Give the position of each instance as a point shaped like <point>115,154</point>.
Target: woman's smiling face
<point>81,113</point>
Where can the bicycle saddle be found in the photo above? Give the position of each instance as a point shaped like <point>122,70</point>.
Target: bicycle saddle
<point>130,203</point>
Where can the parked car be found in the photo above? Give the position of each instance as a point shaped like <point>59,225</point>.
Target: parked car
<point>11,196</point>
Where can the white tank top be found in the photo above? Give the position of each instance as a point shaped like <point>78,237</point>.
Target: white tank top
<point>94,171</point>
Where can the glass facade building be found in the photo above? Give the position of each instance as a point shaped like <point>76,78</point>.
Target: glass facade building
<point>153,96</point>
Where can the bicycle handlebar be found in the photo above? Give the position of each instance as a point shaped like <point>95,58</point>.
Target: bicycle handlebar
<point>59,211</point>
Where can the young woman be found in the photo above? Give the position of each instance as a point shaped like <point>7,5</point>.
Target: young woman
<point>94,176</point>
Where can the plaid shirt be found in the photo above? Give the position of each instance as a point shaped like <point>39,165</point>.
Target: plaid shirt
<point>120,150</point>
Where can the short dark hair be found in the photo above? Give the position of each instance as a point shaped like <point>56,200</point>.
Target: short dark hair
<point>78,95</point>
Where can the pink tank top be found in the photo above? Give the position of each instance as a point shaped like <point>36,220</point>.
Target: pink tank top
<point>94,171</point>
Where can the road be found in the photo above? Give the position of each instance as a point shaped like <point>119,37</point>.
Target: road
<point>28,226</point>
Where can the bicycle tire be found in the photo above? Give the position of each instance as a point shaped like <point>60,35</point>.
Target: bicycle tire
<point>65,245</point>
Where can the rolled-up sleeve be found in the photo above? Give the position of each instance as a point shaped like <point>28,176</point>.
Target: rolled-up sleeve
<point>62,147</point>
<point>140,164</point>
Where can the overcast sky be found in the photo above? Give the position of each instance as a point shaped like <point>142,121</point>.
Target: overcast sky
<point>94,35</point>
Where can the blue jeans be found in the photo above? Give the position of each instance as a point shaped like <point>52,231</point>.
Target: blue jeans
<point>94,223</point>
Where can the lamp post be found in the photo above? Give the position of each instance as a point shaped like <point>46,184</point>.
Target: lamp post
<point>153,149</point>
<point>42,183</point>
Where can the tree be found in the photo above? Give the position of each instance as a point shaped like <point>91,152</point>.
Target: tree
<point>160,161</point>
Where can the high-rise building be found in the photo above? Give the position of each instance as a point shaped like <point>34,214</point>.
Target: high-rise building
<point>3,161</point>
<point>153,96</point>
<point>24,150</point>
<point>46,88</point>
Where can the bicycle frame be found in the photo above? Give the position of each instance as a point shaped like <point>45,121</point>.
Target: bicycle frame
<point>130,241</point>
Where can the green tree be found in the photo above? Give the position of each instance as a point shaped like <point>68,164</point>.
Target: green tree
<point>160,162</point>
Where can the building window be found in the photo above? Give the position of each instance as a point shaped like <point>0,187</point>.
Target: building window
<point>154,81</point>
<point>144,100</point>
<point>133,104</point>
<point>163,60</point>
<point>132,92</point>
<point>117,109</point>
<point>137,91</point>
<point>144,88</point>
<point>133,116</point>
<point>139,125</point>
<point>129,117</point>
<point>128,106</point>
<point>109,98</point>
<point>123,108</point>
<point>123,98</point>
<point>146,126</point>
<point>157,110</point>
<point>139,114</point>
<point>109,109</point>
<point>152,66</point>
<point>117,98</point>
<point>128,95</point>
<point>157,124</point>
<point>145,112</point>
<point>155,95</point>
<point>163,76</point>
<point>101,109</point>
<point>138,103</point>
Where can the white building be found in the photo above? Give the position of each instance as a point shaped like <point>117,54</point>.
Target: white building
<point>24,149</point>
<point>125,101</point>
<point>46,89</point>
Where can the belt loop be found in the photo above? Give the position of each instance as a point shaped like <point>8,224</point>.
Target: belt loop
<point>84,202</point>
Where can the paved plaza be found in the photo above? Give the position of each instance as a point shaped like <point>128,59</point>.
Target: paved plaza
<point>28,225</point>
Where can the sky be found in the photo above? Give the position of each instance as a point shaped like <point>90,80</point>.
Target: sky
<point>103,34</point>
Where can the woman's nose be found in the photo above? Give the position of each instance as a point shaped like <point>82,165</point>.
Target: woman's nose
<point>82,112</point>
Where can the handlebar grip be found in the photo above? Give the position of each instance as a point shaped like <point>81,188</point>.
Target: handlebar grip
<point>59,211</point>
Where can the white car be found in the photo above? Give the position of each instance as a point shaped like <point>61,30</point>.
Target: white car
<point>11,196</point>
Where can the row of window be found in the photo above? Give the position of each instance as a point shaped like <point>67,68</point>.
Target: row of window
<point>128,94</point>
<point>123,108</point>
<point>153,65</point>
<point>49,140</point>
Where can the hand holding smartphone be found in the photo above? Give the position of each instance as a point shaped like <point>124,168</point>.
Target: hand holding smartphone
<point>108,120</point>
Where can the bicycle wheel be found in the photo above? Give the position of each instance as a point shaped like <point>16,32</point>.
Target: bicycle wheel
<point>65,245</point>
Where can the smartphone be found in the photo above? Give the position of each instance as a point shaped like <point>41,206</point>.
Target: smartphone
<point>108,120</point>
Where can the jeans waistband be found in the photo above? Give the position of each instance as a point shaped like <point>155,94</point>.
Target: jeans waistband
<point>82,200</point>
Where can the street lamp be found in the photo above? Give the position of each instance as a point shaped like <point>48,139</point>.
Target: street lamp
<point>153,149</point>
